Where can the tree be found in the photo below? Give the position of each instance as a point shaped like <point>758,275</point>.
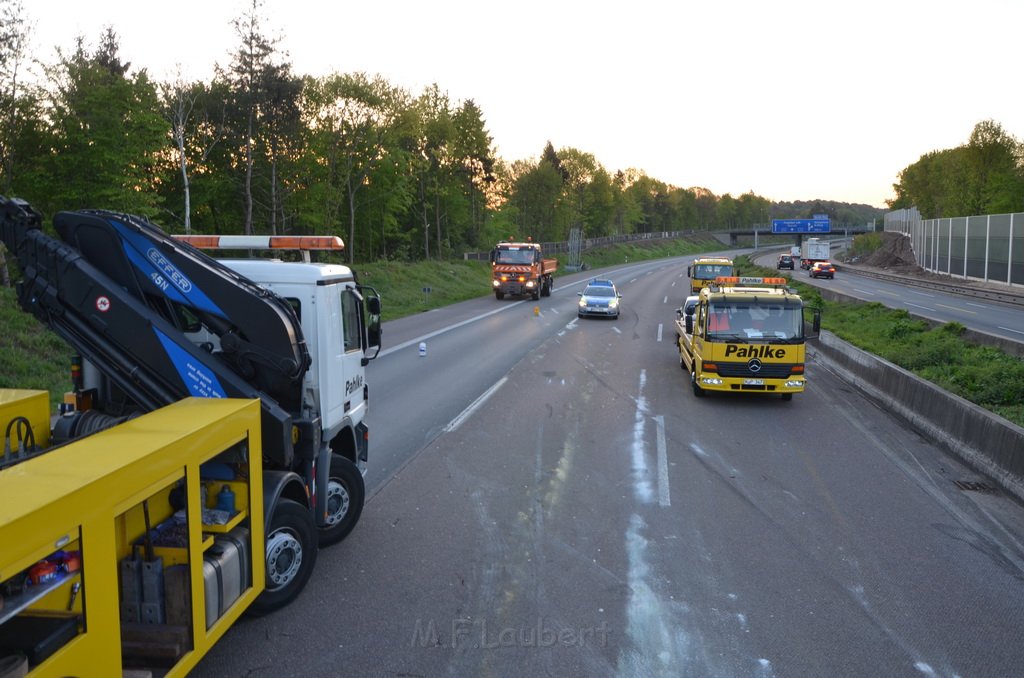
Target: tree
<point>993,170</point>
<point>355,125</point>
<point>106,133</point>
<point>247,75</point>
<point>196,127</point>
<point>19,112</point>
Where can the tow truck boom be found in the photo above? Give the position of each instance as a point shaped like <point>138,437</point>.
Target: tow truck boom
<point>124,295</point>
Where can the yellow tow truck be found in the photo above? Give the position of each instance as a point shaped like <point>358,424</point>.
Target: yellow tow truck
<point>704,270</point>
<point>744,335</point>
<point>121,555</point>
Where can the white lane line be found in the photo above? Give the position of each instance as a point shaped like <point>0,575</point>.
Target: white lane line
<point>663,491</point>
<point>1009,329</point>
<point>921,294</point>
<point>473,406</point>
<point>927,308</point>
<point>969,303</point>
<point>957,308</point>
<point>660,325</point>
<point>857,289</point>
<point>449,328</point>
<point>617,330</point>
<point>634,280</point>
<point>665,300</point>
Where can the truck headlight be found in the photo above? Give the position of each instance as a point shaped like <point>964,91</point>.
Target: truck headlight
<point>528,284</point>
<point>495,283</point>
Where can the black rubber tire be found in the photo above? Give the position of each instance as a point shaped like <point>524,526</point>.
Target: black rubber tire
<point>291,532</point>
<point>499,295</point>
<point>536,293</point>
<point>346,493</point>
<point>697,390</point>
<point>787,396</point>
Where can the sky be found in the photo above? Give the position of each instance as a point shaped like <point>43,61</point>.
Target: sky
<point>789,99</point>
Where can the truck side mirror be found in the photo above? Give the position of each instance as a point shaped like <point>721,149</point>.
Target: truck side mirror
<point>688,272</point>
<point>492,256</point>
<point>689,324</point>
<point>373,305</point>
<point>816,322</point>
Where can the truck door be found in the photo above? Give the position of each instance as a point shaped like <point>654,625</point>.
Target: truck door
<point>341,352</point>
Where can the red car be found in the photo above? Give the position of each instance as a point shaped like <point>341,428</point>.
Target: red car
<point>822,269</point>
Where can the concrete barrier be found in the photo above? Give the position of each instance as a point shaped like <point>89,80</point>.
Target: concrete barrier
<point>985,441</point>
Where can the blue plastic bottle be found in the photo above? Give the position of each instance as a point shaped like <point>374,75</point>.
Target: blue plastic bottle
<point>226,500</point>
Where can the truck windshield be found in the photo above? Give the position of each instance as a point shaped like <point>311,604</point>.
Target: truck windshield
<point>504,255</point>
<point>758,321</point>
<point>711,271</point>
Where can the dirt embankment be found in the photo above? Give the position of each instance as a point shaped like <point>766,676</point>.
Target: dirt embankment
<point>894,255</point>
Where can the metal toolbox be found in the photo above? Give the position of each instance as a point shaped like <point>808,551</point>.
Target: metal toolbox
<point>227,567</point>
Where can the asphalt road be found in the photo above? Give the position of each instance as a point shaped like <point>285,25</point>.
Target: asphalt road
<point>549,498</point>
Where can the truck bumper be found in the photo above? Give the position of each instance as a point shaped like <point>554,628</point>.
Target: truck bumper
<point>515,288</point>
<point>712,382</point>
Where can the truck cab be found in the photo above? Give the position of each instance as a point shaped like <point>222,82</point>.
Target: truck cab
<point>704,270</point>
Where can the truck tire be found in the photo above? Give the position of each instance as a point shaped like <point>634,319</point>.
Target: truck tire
<point>499,295</point>
<point>697,390</point>
<point>290,555</point>
<point>345,495</point>
<point>536,291</point>
<point>545,290</point>
<point>787,396</point>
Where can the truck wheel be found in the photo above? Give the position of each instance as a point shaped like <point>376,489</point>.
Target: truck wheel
<point>345,495</point>
<point>290,554</point>
<point>697,390</point>
<point>499,295</point>
<point>787,396</point>
<point>545,290</point>
<point>536,293</point>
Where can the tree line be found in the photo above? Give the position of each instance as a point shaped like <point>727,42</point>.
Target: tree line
<point>983,176</point>
<point>261,149</point>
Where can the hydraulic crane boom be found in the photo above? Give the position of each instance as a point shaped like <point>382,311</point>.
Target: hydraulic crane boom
<point>132,301</point>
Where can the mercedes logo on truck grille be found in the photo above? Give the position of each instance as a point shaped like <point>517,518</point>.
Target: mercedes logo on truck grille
<point>754,365</point>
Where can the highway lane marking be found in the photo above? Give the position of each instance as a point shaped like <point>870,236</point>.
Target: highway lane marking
<point>927,308</point>
<point>857,289</point>
<point>659,331</point>
<point>473,406</point>
<point>634,280</point>
<point>665,300</point>
<point>616,329</point>
<point>923,294</point>
<point>969,303</point>
<point>663,491</point>
<point>956,308</point>
<point>1009,329</point>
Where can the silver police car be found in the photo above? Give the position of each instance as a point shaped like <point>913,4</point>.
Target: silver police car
<point>599,298</point>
